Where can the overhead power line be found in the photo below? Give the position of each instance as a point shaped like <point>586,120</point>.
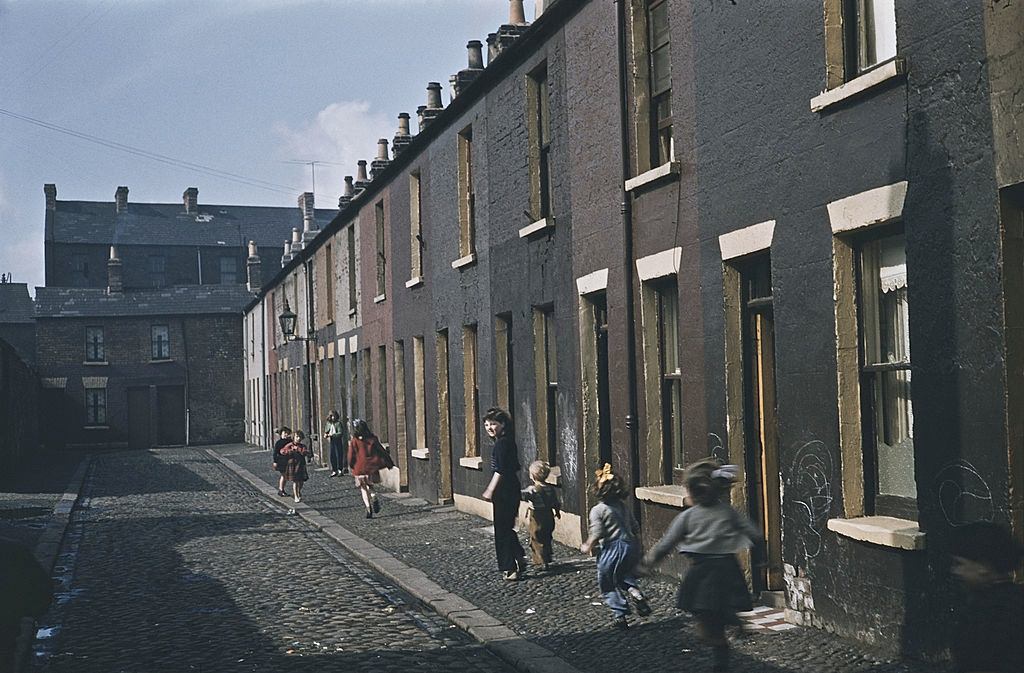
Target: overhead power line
<point>154,156</point>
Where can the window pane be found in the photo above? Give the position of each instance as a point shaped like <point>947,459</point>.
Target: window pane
<point>658,25</point>
<point>161,342</point>
<point>668,313</point>
<point>96,406</point>
<point>227,270</point>
<point>661,79</point>
<point>94,344</point>
<point>877,29</point>
<point>894,417</point>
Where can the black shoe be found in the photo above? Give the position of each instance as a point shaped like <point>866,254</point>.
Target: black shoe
<point>369,514</point>
<point>376,506</point>
<point>643,608</point>
<point>620,623</point>
<point>282,494</point>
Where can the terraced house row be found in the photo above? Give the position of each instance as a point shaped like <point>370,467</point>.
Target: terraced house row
<point>656,230</point>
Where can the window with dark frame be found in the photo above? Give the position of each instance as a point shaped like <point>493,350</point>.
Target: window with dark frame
<point>161,341</point>
<point>551,383</point>
<point>378,215</point>
<point>416,226</point>
<point>158,270</point>
<point>95,406</point>
<point>540,137</point>
<point>870,34</point>
<point>79,270</point>
<point>470,390</point>
<point>351,240</point>
<point>228,270</point>
<point>382,386</point>
<point>467,194</point>
<point>887,409</point>
<point>94,349</point>
<point>658,38</point>
<point>329,282</point>
<point>671,377</point>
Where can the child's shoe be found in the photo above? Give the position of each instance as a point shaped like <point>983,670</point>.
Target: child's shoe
<point>282,494</point>
<point>511,575</point>
<point>620,622</point>
<point>376,505</point>
<point>643,608</point>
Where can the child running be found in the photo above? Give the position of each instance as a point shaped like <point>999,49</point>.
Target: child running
<point>544,508</point>
<point>295,468</point>
<point>710,534</point>
<point>612,525</point>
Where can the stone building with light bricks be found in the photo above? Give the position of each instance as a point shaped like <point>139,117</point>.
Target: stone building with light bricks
<point>656,230</point>
<point>137,330</point>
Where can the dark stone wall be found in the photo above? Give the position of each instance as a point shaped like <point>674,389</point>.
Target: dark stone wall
<point>181,263</point>
<point>19,405</point>
<point>211,370</point>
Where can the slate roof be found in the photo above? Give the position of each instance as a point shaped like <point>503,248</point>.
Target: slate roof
<point>167,224</point>
<point>15,303</point>
<point>79,302</point>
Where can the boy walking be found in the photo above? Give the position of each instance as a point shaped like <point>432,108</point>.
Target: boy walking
<point>544,508</point>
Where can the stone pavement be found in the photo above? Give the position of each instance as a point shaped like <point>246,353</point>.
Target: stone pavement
<point>172,564</point>
<point>560,611</point>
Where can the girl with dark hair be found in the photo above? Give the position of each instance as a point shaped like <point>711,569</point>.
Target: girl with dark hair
<point>280,462</point>
<point>295,455</point>
<point>613,526</point>
<point>366,457</point>
<point>504,492</point>
<point>710,534</point>
<point>334,431</point>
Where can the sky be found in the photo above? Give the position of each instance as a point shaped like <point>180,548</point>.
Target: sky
<point>100,93</point>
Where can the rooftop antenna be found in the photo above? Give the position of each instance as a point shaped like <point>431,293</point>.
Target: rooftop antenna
<point>312,163</point>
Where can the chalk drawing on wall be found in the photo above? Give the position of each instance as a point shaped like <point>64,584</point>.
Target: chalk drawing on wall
<point>716,448</point>
<point>963,494</point>
<point>808,485</point>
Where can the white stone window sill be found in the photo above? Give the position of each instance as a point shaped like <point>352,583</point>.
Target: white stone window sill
<point>96,427</point>
<point>462,262</point>
<point>95,363</point>
<point>663,171</point>
<point>539,225</point>
<point>858,85</point>
<point>886,531</point>
<point>471,462</point>
<point>414,282</point>
<point>379,298</point>
<point>420,454</point>
<point>671,495</point>
<point>159,360</point>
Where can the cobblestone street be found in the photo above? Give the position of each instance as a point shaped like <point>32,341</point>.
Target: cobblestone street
<point>170,563</point>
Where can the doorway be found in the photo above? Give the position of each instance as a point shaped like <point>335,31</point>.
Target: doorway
<point>761,431</point>
<point>139,427</point>
<point>170,410</point>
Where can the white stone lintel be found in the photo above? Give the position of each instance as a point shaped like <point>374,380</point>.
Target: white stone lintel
<point>592,282</point>
<point>659,265</point>
<point>747,240</point>
<point>874,206</point>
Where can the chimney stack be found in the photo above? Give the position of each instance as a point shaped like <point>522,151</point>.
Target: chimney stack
<point>381,162</point>
<point>287,256</point>
<point>419,116</point>
<point>306,205</point>
<point>434,106</point>
<point>297,245</point>
<point>509,32</point>
<point>115,278</point>
<point>121,200</point>
<point>50,190</point>
<point>475,66</point>
<point>347,193</point>
<point>191,200</point>
<point>402,137</point>
<point>253,275</point>
<point>361,180</point>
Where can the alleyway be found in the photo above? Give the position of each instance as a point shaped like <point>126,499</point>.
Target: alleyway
<point>172,562</point>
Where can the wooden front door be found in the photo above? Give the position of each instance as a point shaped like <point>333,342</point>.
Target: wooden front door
<point>170,406</point>
<point>139,429</point>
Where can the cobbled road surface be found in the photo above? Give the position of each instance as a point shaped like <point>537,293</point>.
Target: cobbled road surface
<point>172,564</point>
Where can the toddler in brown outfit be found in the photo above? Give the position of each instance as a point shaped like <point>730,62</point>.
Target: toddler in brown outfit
<point>544,508</point>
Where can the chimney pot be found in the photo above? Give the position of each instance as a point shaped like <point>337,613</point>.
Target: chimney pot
<point>190,197</point>
<point>115,282</point>
<point>121,199</point>
<point>350,189</point>
<point>403,123</point>
<point>50,190</point>
<point>516,13</point>
<point>434,96</point>
<point>382,149</point>
<point>253,251</point>
<point>253,268</point>
<point>476,54</point>
<point>361,179</point>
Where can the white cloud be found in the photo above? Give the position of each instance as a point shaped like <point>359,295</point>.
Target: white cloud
<point>342,133</point>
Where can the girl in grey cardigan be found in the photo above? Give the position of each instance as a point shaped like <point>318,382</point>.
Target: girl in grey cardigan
<point>710,534</point>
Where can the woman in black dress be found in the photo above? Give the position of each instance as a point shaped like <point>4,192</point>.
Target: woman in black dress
<point>504,492</point>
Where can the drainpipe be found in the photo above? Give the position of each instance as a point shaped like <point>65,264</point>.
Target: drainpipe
<point>188,410</point>
<point>626,209</point>
<point>310,367</point>
<point>263,381</point>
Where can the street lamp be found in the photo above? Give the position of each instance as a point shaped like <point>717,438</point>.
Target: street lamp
<point>287,320</point>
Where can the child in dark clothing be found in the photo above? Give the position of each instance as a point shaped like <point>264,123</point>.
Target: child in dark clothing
<point>613,526</point>
<point>295,455</point>
<point>990,614</point>
<point>280,462</point>
<point>544,508</point>
<point>710,534</point>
